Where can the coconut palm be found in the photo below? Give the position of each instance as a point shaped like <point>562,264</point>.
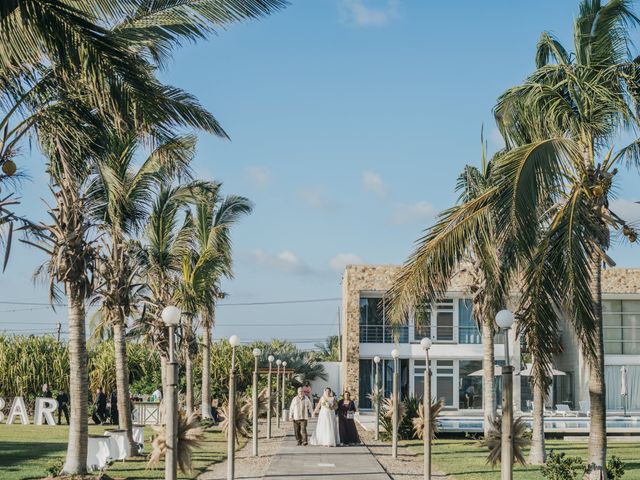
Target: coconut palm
<point>464,238</point>
<point>557,178</point>
<point>121,195</point>
<point>213,217</point>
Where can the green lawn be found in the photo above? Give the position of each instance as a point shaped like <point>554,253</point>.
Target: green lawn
<point>466,459</point>
<point>26,450</point>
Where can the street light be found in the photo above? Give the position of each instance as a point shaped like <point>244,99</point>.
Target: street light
<point>234,341</point>
<point>256,354</point>
<point>504,320</point>
<point>376,391</point>
<point>425,343</point>
<point>271,359</point>
<point>396,411</point>
<point>278,363</point>
<point>171,318</point>
<point>284,390</point>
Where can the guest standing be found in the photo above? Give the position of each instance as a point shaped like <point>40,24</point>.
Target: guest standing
<point>114,408</point>
<point>100,403</point>
<point>346,420</point>
<point>63,405</point>
<point>46,392</point>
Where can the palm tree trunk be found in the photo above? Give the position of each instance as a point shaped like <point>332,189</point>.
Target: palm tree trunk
<point>163,372</point>
<point>489,403</point>
<point>205,407</point>
<point>597,453</point>
<point>538,454</point>
<point>122,382</point>
<point>188,367</point>
<point>76,460</point>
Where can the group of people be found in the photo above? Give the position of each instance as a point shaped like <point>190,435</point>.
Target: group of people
<point>105,411</point>
<point>336,419</point>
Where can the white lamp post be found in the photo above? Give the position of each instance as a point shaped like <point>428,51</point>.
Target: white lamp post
<point>256,354</point>
<point>278,363</point>
<point>396,411</point>
<point>234,341</point>
<point>504,320</point>
<point>171,318</point>
<point>376,391</point>
<point>269,402</point>
<point>284,390</point>
<point>425,343</point>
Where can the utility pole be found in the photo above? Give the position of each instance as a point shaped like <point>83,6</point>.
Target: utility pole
<point>59,328</point>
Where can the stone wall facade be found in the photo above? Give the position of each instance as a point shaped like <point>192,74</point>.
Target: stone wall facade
<point>358,279</point>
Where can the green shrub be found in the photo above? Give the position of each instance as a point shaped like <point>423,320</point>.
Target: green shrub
<point>615,468</point>
<point>561,467</point>
<point>54,467</point>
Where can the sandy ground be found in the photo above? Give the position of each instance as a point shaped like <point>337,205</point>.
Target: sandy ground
<point>247,466</point>
<point>408,465</point>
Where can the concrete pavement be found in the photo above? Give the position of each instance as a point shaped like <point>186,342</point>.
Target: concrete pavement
<point>307,462</point>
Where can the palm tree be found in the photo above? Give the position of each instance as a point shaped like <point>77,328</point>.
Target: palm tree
<point>214,216</point>
<point>330,350</point>
<point>465,237</point>
<point>557,178</point>
<point>121,196</point>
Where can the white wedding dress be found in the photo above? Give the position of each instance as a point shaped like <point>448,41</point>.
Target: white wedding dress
<point>326,433</point>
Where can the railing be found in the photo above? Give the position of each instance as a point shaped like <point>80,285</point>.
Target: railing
<point>438,334</point>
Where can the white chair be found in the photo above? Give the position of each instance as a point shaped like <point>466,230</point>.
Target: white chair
<point>585,407</point>
<point>564,410</point>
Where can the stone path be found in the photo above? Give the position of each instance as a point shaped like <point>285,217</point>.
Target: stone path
<point>340,463</point>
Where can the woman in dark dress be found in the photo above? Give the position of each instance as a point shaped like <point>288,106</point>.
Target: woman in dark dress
<point>346,422</point>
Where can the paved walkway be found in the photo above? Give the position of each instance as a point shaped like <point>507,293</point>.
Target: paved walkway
<point>340,463</point>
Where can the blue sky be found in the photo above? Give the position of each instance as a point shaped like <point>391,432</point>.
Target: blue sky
<point>350,120</point>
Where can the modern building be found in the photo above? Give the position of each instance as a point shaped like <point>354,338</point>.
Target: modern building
<point>456,355</point>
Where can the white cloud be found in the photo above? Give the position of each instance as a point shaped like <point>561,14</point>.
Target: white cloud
<point>368,13</point>
<point>341,260</point>
<point>284,261</point>
<point>408,213</point>
<point>259,176</point>
<point>372,182</point>
<point>316,198</point>
<point>628,210</point>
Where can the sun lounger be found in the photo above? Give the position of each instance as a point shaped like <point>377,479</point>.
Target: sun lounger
<point>585,407</point>
<point>564,410</point>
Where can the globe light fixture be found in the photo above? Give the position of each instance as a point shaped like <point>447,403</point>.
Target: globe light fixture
<point>234,341</point>
<point>284,390</point>
<point>504,319</point>
<point>278,363</point>
<point>426,343</point>
<point>171,316</point>
<point>376,359</point>
<point>394,441</point>
<point>376,391</point>
<point>394,353</point>
<point>270,358</point>
<point>256,354</point>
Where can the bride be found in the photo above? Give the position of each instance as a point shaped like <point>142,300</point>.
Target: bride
<point>326,433</point>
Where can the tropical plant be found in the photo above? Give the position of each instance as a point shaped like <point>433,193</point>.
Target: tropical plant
<point>493,441</point>
<point>329,351</point>
<point>419,424</point>
<point>243,416</point>
<point>190,436</point>
<point>557,178</point>
<point>561,467</point>
<point>213,218</point>
<point>465,238</point>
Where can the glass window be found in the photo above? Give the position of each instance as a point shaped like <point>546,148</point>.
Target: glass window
<point>422,321</point>
<point>367,375</point>
<point>444,320</point>
<point>631,327</point>
<point>467,329</point>
<point>470,387</point>
<point>371,325</point>
<point>444,386</point>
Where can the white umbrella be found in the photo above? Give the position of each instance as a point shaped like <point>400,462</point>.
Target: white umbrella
<point>527,371</point>
<point>623,388</point>
<point>497,370</point>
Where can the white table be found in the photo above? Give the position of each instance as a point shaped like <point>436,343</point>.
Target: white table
<point>119,443</point>
<point>138,434</point>
<point>99,452</point>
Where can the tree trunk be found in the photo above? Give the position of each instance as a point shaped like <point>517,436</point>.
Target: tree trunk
<point>597,453</point>
<point>122,383</point>
<point>163,372</point>
<point>538,454</point>
<point>188,367</point>
<point>76,460</point>
<point>488,361</point>
<point>205,409</point>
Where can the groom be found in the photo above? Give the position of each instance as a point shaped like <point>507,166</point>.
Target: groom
<point>299,412</point>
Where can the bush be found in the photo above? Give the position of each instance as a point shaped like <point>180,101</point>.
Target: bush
<point>615,468</point>
<point>561,467</point>
<point>54,467</point>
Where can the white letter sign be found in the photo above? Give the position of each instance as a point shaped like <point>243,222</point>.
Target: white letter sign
<point>45,407</point>
<point>18,409</point>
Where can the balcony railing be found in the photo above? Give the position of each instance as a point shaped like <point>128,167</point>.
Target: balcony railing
<point>438,334</point>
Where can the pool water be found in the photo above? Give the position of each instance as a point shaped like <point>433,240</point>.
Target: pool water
<point>554,424</point>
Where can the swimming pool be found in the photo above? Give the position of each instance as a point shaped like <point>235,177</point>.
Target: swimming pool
<point>551,425</point>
